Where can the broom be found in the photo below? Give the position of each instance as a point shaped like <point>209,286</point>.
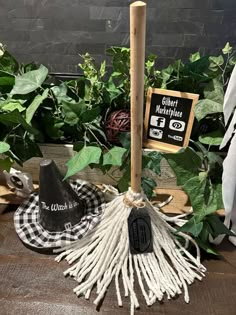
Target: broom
<point>134,239</point>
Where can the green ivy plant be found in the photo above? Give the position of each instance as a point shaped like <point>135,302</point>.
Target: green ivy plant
<point>209,110</point>
<point>199,173</point>
<point>207,76</point>
<point>110,91</point>
<point>99,90</point>
<point>34,110</point>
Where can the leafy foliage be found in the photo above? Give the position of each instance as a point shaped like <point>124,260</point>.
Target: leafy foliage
<point>30,81</point>
<point>4,147</point>
<point>114,156</point>
<point>83,158</point>
<point>209,110</point>
<point>186,164</point>
<point>199,173</point>
<point>34,110</point>
<point>207,76</point>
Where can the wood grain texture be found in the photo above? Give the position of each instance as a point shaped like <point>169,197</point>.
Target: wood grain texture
<point>61,153</point>
<point>33,283</point>
<point>137,60</point>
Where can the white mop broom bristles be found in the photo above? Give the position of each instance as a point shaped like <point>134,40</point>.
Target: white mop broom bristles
<point>104,255</point>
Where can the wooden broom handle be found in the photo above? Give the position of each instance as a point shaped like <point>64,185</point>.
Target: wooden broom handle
<point>137,60</point>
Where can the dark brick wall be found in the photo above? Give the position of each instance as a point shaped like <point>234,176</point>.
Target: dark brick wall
<point>54,32</point>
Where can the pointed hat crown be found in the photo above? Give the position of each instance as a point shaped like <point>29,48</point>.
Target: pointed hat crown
<point>59,205</point>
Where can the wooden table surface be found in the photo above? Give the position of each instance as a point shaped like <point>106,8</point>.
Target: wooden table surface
<point>33,283</point>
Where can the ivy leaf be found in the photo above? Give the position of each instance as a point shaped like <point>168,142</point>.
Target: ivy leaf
<point>192,227</point>
<point>214,158</point>
<point>7,82</point>
<point>212,138</point>
<point>185,164</point>
<point>29,67</point>
<point>217,226</point>
<point>202,195</point>
<point>81,110</point>
<point>207,247</point>
<point>60,92</point>
<point>23,147</point>
<point>148,184</point>
<point>102,69</point>
<point>195,70</point>
<point>120,58</point>
<point>215,169</point>
<point>124,181</point>
<point>11,105</point>
<point>29,81</point>
<point>125,139</point>
<point>150,64</point>
<point>206,231</point>
<point>166,75</point>
<point>80,87</point>
<point>8,63</point>
<point>6,164</point>
<point>218,191</point>
<point>4,147</point>
<point>55,129</point>
<point>114,156</point>
<point>203,238</point>
<point>83,158</point>
<point>30,111</point>
<point>90,114</point>
<point>194,57</point>
<point>227,49</point>
<point>112,91</point>
<point>72,111</point>
<point>12,118</point>
<point>215,62</point>
<point>195,188</point>
<point>205,107</point>
<point>52,125</point>
<point>232,61</point>
<point>77,146</point>
<point>152,162</point>
<point>70,117</point>
<point>215,91</point>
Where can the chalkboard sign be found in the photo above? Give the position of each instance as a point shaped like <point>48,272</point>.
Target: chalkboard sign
<point>168,119</point>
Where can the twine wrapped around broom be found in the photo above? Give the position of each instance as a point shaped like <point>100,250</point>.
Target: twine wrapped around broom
<point>104,254</point>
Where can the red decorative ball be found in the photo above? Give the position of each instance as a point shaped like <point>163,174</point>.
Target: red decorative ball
<point>116,122</point>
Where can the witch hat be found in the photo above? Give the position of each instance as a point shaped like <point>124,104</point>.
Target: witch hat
<point>59,205</point>
<point>60,213</point>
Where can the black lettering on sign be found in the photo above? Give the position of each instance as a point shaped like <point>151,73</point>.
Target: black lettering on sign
<point>168,119</point>
<point>140,231</point>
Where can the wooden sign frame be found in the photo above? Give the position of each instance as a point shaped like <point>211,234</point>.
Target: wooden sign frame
<point>182,119</point>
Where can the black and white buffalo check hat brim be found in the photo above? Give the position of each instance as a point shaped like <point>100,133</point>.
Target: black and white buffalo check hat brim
<point>28,228</point>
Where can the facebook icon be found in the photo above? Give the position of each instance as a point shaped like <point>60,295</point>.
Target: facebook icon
<point>158,121</point>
